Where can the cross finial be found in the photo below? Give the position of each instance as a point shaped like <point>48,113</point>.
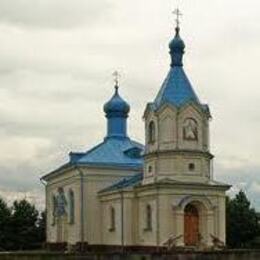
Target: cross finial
<point>178,14</point>
<point>116,76</point>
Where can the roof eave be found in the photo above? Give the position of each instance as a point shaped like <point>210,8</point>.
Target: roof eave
<point>70,166</point>
<point>58,171</point>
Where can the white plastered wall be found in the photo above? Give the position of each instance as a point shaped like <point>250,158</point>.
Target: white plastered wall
<point>210,204</point>
<point>94,180</point>
<point>69,181</point>
<point>160,162</point>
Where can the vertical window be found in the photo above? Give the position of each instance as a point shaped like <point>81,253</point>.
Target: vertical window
<point>112,219</point>
<point>191,167</point>
<point>148,217</point>
<point>71,207</point>
<point>53,206</point>
<point>151,132</point>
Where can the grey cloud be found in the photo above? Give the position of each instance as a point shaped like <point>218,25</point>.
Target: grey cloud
<point>54,82</point>
<point>13,178</point>
<point>35,196</point>
<point>52,13</point>
<point>245,177</point>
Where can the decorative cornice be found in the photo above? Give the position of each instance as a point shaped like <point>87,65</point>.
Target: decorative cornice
<point>177,184</point>
<point>67,167</point>
<point>178,152</point>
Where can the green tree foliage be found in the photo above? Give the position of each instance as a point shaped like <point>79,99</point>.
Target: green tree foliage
<point>242,222</point>
<point>5,214</point>
<point>42,227</point>
<point>21,226</point>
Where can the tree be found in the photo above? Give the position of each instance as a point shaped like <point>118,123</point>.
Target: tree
<point>242,222</point>
<point>24,233</point>
<point>42,227</point>
<point>21,226</point>
<point>5,214</point>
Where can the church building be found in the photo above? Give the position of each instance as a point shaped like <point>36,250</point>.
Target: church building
<point>124,193</point>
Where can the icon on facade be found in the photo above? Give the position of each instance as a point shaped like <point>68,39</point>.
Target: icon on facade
<point>190,130</point>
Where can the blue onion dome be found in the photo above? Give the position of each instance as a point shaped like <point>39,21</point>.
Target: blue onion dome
<point>116,106</point>
<point>177,47</point>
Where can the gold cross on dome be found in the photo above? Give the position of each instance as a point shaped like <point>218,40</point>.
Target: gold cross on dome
<point>178,14</point>
<point>116,76</point>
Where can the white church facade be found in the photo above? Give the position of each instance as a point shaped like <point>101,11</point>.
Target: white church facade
<point>123,193</point>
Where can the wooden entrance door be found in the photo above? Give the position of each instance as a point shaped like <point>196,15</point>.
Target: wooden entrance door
<point>191,225</point>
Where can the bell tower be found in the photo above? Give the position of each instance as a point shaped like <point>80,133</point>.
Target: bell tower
<point>177,127</point>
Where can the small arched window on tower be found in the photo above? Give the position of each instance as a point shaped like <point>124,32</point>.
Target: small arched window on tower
<point>190,129</point>
<point>191,167</point>
<point>151,132</point>
<point>148,214</point>
<point>112,219</point>
<point>71,206</point>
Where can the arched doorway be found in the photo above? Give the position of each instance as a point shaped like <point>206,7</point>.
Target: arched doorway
<point>191,225</point>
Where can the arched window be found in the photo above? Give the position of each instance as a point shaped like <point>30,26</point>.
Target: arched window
<point>148,217</point>
<point>112,219</point>
<point>190,129</point>
<point>191,167</point>
<point>71,206</point>
<point>151,132</point>
<point>53,206</point>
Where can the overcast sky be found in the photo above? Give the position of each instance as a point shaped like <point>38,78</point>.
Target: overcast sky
<point>56,61</point>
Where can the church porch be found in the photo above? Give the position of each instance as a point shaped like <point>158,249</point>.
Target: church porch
<point>184,215</point>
